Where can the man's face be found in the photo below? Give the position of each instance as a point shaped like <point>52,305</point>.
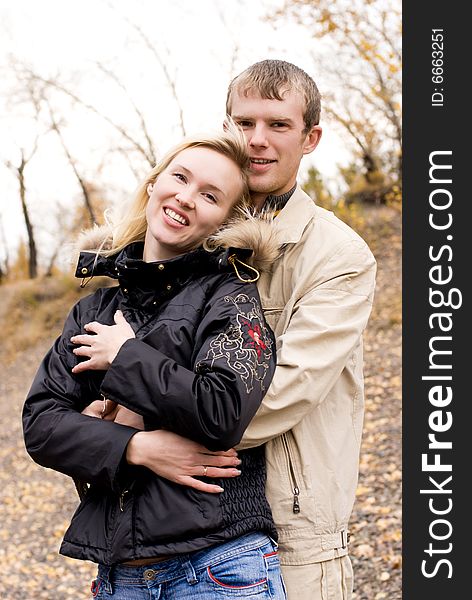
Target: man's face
<point>275,133</point>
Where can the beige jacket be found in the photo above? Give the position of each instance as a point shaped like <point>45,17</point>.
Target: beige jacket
<point>317,299</point>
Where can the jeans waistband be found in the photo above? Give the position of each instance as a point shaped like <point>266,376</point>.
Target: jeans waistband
<point>185,564</point>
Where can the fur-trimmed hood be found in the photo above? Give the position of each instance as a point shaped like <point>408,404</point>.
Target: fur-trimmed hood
<point>247,230</point>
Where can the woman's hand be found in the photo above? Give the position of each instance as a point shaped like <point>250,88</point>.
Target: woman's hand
<point>102,347</point>
<point>181,460</point>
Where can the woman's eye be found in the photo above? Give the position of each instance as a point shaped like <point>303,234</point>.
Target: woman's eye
<point>210,196</point>
<point>180,176</point>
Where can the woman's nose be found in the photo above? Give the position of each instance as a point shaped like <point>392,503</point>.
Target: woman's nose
<point>185,199</point>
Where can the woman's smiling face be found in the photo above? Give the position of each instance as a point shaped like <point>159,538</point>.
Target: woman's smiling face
<point>189,200</point>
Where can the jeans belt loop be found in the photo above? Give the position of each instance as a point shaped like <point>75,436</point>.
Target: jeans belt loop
<point>106,577</point>
<point>190,574</point>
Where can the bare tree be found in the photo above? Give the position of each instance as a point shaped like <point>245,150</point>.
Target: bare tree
<point>35,93</point>
<point>5,264</point>
<point>73,163</point>
<point>18,171</point>
<point>364,68</point>
<point>56,84</point>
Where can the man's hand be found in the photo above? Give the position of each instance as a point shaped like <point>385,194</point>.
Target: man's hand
<point>111,411</point>
<point>181,460</point>
<point>102,347</point>
<point>95,409</point>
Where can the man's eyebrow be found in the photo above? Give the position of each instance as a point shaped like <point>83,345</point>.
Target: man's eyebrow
<point>188,172</point>
<point>273,118</point>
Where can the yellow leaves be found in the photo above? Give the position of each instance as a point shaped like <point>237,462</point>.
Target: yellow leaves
<point>366,46</point>
<point>396,535</point>
<point>362,490</point>
<point>365,550</point>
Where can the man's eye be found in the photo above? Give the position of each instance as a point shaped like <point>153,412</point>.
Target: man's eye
<point>279,124</point>
<point>244,123</point>
<point>180,176</point>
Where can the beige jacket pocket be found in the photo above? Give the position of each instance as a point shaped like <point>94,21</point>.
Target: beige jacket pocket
<point>289,495</point>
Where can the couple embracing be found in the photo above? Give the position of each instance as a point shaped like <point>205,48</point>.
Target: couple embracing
<point>211,403</point>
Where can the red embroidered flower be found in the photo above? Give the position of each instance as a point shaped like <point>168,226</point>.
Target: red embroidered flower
<point>252,329</point>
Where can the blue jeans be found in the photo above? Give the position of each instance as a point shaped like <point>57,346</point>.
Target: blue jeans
<point>246,567</point>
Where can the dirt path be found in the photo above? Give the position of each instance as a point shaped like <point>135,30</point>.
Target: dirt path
<point>35,506</point>
<point>376,521</point>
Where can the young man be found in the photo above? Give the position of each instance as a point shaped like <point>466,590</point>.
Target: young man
<point>317,299</point>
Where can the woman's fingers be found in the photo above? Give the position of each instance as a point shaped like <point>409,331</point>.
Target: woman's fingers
<point>83,366</point>
<point>93,326</point>
<point>211,460</point>
<point>119,318</point>
<point>214,472</point>
<point>83,351</point>
<point>82,339</point>
<point>230,452</point>
<point>201,486</point>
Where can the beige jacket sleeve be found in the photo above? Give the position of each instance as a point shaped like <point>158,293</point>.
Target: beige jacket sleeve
<point>325,326</point>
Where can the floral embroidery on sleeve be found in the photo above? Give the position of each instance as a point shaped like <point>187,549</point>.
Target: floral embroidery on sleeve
<point>245,346</point>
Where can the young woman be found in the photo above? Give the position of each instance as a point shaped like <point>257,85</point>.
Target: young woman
<point>180,344</point>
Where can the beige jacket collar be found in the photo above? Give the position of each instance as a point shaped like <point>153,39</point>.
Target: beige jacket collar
<point>294,217</point>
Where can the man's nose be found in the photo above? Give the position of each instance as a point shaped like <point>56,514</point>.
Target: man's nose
<point>185,199</point>
<point>258,137</point>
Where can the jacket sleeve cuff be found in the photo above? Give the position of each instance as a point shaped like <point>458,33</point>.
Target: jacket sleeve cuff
<point>120,386</point>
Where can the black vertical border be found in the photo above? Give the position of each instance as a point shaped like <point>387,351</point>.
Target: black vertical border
<point>427,129</point>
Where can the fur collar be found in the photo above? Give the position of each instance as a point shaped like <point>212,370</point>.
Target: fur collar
<point>246,230</point>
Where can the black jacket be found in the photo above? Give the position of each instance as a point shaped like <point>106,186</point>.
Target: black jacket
<point>200,364</point>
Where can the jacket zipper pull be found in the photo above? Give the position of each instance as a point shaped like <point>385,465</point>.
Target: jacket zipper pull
<point>296,502</point>
<point>122,500</point>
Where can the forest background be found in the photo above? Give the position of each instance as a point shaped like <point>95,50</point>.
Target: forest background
<point>92,94</point>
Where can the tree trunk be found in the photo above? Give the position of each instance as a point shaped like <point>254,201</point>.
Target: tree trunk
<point>32,252</point>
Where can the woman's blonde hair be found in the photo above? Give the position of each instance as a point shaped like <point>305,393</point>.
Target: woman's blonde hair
<point>129,225</point>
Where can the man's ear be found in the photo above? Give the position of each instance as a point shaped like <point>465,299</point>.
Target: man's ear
<point>312,139</point>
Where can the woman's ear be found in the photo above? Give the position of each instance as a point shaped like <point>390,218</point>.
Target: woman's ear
<point>149,188</point>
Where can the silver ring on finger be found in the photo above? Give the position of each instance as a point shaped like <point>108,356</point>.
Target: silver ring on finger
<point>205,469</point>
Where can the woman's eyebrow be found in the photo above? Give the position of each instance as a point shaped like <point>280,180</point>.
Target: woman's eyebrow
<point>189,172</point>
<point>181,167</point>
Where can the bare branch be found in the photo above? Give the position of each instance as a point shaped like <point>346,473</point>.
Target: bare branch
<point>150,46</point>
<point>54,84</point>
<point>142,120</point>
<point>83,186</point>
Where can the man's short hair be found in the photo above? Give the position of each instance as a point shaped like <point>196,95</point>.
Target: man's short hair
<point>272,79</point>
